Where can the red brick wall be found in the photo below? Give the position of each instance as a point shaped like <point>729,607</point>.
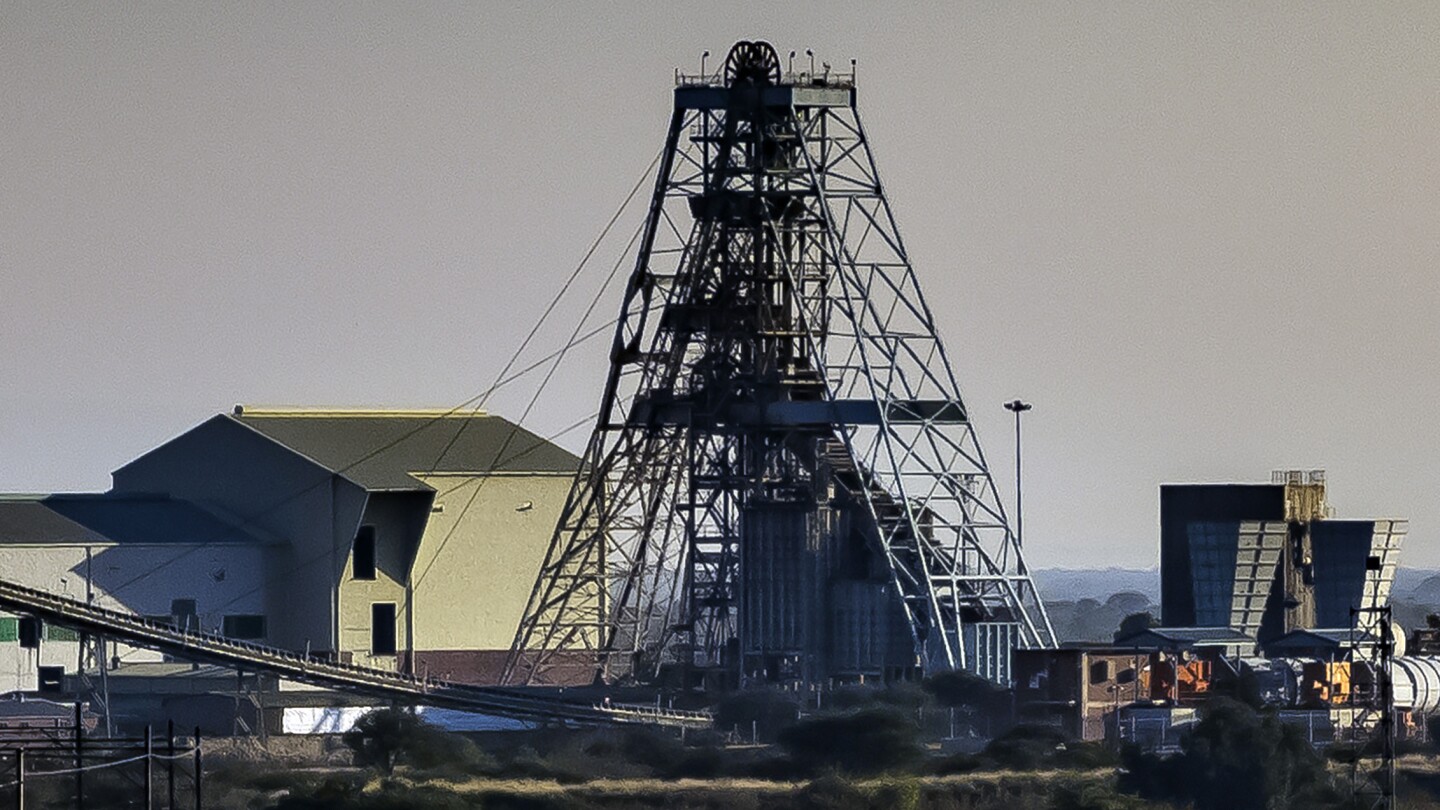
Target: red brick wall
<point>484,667</point>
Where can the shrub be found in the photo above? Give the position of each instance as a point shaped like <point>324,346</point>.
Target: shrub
<point>1026,748</point>
<point>1235,759</point>
<point>767,709</point>
<point>1135,623</point>
<point>831,793</point>
<point>865,742</point>
<point>964,690</point>
<point>955,763</point>
<point>1030,748</point>
<point>386,738</point>
<point>900,695</point>
<point>897,794</point>
<point>1094,797</point>
<point>977,705</point>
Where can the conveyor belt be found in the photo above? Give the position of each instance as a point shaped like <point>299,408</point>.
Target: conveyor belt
<point>379,683</point>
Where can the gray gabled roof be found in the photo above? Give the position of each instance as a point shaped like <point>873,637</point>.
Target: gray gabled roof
<point>1327,636</point>
<point>1186,637</point>
<point>81,519</point>
<point>382,450</point>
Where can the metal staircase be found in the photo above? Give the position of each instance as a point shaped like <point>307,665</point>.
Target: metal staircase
<point>384,684</point>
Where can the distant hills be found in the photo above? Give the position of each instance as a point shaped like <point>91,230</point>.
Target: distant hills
<point>1073,584</point>
<point>1087,604</point>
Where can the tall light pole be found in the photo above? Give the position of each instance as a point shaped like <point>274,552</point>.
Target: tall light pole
<point>1017,407</point>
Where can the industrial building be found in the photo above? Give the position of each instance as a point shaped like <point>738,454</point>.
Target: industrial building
<point>1123,693</point>
<point>1261,588</point>
<point>383,538</point>
<point>1268,559</point>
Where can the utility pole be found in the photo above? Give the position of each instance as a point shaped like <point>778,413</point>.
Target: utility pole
<point>198,769</point>
<point>170,764</point>
<point>149,768</point>
<point>1017,407</point>
<point>1372,727</point>
<point>79,751</point>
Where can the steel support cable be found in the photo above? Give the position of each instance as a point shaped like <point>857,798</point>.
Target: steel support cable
<point>535,398</point>
<point>478,400</point>
<point>543,441</point>
<point>550,308</point>
<point>550,439</point>
<point>558,356</point>
<point>432,420</point>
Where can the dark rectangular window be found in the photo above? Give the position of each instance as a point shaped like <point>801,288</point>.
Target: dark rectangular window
<point>382,628</point>
<point>30,631</point>
<point>364,556</point>
<point>52,679</point>
<point>244,627</point>
<point>182,614</point>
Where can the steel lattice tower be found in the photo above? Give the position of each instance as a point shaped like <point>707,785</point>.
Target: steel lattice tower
<point>1372,703</point>
<point>779,411</point>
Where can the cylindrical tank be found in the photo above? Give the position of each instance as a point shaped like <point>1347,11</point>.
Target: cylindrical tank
<point>1416,682</point>
<point>1278,680</point>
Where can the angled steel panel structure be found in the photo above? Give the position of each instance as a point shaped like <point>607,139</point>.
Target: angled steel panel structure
<point>1259,547</point>
<point>777,389</point>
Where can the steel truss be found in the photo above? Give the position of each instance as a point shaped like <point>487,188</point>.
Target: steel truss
<point>1372,725</point>
<point>773,345</point>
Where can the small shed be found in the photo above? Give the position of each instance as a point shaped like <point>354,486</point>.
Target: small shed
<point>1227,641</point>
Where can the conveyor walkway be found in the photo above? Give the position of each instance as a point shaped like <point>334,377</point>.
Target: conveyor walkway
<point>383,684</point>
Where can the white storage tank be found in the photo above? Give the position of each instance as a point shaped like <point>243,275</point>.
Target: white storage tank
<point>1416,682</point>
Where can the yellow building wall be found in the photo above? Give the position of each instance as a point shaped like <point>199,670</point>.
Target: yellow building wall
<point>391,515</point>
<point>476,565</point>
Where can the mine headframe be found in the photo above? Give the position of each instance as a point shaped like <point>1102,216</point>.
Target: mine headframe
<point>783,480</point>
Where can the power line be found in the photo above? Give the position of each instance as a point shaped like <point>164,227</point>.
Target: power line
<point>577,337</point>
<point>478,400</point>
<point>550,308</point>
<point>250,521</point>
<point>294,569</point>
<point>540,389</point>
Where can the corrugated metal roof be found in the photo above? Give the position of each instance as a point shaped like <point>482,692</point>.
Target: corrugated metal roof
<point>1332,636</point>
<point>1189,636</point>
<point>380,450</point>
<point>105,518</point>
<point>28,520</point>
<point>28,707</point>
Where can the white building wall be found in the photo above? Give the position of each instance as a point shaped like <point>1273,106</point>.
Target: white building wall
<point>232,470</point>
<point>138,578</point>
<point>19,667</point>
<point>340,719</point>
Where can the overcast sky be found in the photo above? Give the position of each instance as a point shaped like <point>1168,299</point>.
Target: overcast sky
<point>1202,239</point>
